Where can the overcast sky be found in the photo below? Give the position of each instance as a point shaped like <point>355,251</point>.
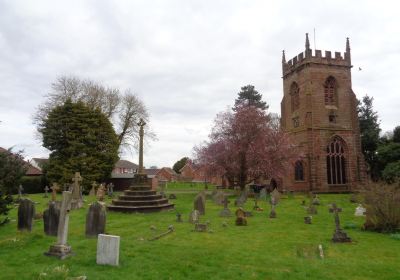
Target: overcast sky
<point>185,59</point>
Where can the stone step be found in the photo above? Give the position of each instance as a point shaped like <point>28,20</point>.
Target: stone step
<point>139,193</point>
<point>140,197</point>
<point>140,209</point>
<point>140,203</point>
<point>140,188</point>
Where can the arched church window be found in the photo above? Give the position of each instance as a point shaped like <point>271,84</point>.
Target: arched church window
<point>330,91</point>
<point>336,162</point>
<point>298,171</point>
<point>295,97</point>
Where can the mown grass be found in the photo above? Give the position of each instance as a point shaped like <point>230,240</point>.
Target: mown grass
<point>281,248</point>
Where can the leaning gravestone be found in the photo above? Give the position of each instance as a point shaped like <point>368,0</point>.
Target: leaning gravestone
<point>26,213</point>
<point>61,249</point>
<point>51,218</point>
<point>95,219</point>
<point>194,217</point>
<point>241,200</point>
<point>108,250</point>
<point>200,203</point>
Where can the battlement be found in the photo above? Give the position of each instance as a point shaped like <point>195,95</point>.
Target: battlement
<point>316,57</point>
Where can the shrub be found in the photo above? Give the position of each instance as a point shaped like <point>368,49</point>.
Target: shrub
<point>33,184</point>
<point>382,202</point>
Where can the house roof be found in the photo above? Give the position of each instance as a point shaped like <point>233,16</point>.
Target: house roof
<point>151,171</point>
<point>122,163</point>
<point>169,170</point>
<point>33,171</point>
<point>40,161</point>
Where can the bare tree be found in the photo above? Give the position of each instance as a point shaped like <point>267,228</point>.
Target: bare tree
<point>123,109</point>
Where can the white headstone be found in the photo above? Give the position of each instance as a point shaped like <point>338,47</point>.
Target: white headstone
<point>108,249</point>
<point>360,211</point>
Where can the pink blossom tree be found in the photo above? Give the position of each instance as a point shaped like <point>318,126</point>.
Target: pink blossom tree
<point>246,145</point>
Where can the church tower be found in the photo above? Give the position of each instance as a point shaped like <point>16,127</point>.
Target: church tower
<point>319,110</point>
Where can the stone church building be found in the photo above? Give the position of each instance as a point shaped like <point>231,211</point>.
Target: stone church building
<point>318,110</point>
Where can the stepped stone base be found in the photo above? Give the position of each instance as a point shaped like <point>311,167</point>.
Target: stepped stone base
<point>140,198</point>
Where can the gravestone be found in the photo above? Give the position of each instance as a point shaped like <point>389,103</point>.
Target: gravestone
<point>179,218</point>
<point>51,218</point>
<point>26,213</point>
<point>240,217</point>
<point>218,197</point>
<point>272,214</point>
<point>263,194</point>
<point>77,200</point>
<point>315,200</point>
<point>360,211</point>
<point>61,249</point>
<point>307,219</point>
<point>93,189</point>
<point>200,203</point>
<point>225,212</point>
<point>172,196</point>
<point>194,217</point>
<point>54,190</point>
<point>95,219</point>
<point>201,227</point>
<point>101,191</point>
<point>339,235</point>
<point>46,191</point>
<point>312,210</point>
<point>110,190</point>
<point>275,197</point>
<point>20,191</point>
<point>108,249</point>
<point>241,200</point>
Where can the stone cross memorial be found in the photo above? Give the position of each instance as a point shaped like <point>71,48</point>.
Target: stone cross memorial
<point>339,235</point>
<point>101,191</point>
<point>95,220</point>
<point>26,213</point>
<point>46,191</point>
<point>77,200</point>
<point>51,218</point>
<point>61,249</point>
<point>93,189</point>
<point>108,250</point>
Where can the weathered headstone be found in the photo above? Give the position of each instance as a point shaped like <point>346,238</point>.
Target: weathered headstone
<point>241,200</point>
<point>263,194</point>
<point>194,217</point>
<point>61,249</point>
<point>240,217</point>
<point>201,227</point>
<point>360,211</point>
<point>95,219</point>
<point>307,219</point>
<point>272,214</point>
<point>218,197</point>
<point>339,235</point>
<point>101,191</point>
<point>54,190</point>
<point>179,218</point>
<point>20,191</point>
<point>93,189</point>
<point>315,200</point>
<point>108,249</point>
<point>46,191</point>
<point>51,218</point>
<point>26,213</point>
<point>275,196</point>
<point>110,190</point>
<point>312,210</point>
<point>225,212</point>
<point>200,203</point>
<point>77,200</point>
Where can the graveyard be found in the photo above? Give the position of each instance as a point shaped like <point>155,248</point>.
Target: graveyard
<point>157,246</point>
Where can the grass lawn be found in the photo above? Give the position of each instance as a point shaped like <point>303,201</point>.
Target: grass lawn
<point>281,248</point>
